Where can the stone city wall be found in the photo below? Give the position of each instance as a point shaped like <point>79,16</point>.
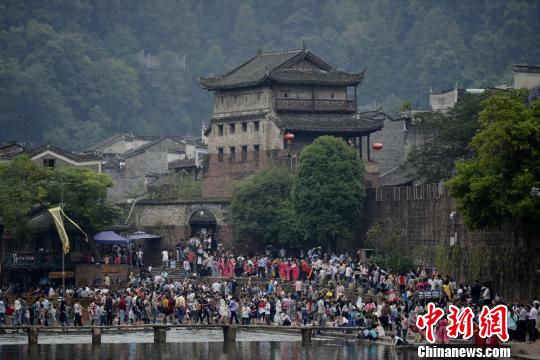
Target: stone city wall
<point>507,257</point>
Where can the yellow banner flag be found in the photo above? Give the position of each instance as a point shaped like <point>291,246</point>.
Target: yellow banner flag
<point>56,214</point>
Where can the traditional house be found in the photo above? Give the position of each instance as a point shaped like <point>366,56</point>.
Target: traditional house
<point>55,157</point>
<point>275,93</point>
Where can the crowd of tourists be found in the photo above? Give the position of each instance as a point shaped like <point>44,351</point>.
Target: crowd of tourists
<point>311,288</point>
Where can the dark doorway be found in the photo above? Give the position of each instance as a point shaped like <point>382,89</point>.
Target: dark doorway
<point>203,221</point>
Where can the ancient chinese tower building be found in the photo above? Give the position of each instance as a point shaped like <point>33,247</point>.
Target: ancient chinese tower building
<point>273,94</point>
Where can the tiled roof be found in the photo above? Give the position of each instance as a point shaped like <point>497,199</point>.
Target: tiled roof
<point>111,139</point>
<point>182,163</point>
<point>271,66</point>
<point>526,68</point>
<point>79,157</point>
<point>252,71</point>
<point>143,148</point>
<point>332,123</point>
<point>291,76</point>
<point>401,175</point>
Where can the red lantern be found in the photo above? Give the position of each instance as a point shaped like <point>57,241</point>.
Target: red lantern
<point>288,136</point>
<point>377,146</point>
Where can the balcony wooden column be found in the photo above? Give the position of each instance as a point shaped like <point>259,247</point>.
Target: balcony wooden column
<point>368,149</point>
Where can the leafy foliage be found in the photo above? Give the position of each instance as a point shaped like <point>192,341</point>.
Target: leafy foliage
<point>21,186</point>
<point>82,191</point>
<point>447,138</point>
<point>386,239</point>
<point>179,186</point>
<point>261,208</point>
<point>73,71</point>
<point>497,184</point>
<point>329,192</point>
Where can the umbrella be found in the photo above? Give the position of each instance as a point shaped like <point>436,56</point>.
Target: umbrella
<point>109,237</point>
<point>142,235</point>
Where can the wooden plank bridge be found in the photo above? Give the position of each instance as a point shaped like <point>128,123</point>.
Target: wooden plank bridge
<point>160,330</point>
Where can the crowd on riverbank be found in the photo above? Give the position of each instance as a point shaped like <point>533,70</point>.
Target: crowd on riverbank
<point>312,288</point>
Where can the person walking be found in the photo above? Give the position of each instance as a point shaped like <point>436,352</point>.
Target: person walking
<point>165,258</point>
<point>523,316</point>
<point>533,314</point>
<point>140,257</point>
<point>78,313</point>
<point>17,306</point>
<point>2,312</point>
<point>233,309</point>
<point>63,313</point>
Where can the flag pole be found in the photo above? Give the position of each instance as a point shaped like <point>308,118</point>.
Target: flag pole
<point>63,254</point>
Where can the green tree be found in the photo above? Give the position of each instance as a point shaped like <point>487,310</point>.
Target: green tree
<point>387,241</point>
<point>261,208</point>
<point>21,186</point>
<point>83,192</point>
<point>329,192</point>
<point>447,138</point>
<point>500,182</point>
<point>84,195</point>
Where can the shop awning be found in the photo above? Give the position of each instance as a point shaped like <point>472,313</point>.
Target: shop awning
<point>109,237</point>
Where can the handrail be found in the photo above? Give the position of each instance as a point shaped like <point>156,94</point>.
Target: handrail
<point>315,104</point>
<point>174,326</point>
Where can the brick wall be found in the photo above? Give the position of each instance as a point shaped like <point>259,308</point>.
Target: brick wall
<point>422,214</point>
<point>170,219</point>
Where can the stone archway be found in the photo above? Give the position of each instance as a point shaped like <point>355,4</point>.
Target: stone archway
<point>202,221</point>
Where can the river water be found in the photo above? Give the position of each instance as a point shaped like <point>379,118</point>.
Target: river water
<point>193,344</point>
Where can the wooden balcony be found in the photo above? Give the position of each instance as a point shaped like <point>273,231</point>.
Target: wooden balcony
<point>315,105</point>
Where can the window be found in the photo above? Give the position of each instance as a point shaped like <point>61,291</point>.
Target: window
<point>244,153</point>
<point>220,130</point>
<point>286,95</point>
<point>221,99</point>
<point>220,155</point>
<point>235,97</point>
<point>256,126</point>
<point>256,152</point>
<point>244,127</point>
<point>332,95</point>
<point>232,154</point>
<point>48,163</point>
<point>258,96</point>
<point>231,128</point>
<point>245,98</point>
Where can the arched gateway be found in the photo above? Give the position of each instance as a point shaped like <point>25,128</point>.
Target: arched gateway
<point>202,221</point>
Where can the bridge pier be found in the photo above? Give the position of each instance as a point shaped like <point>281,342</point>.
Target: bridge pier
<point>32,336</point>
<point>160,335</point>
<point>96,335</point>
<point>229,334</point>
<point>306,336</point>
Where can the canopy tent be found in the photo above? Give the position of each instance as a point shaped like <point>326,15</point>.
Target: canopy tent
<point>109,237</point>
<point>138,235</point>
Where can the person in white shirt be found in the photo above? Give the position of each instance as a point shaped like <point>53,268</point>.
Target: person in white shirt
<point>397,341</point>
<point>165,258</point>
<point>216,287</point>
<point>78,314</point>
<point>18,311</point>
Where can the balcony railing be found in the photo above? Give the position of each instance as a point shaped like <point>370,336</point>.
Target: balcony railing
<point>315,105</point>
